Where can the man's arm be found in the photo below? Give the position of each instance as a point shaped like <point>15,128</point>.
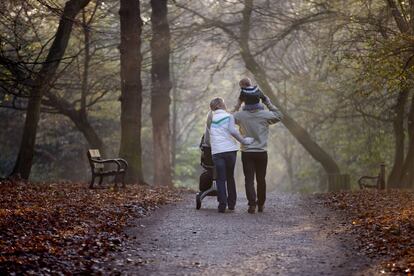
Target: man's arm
<point>274,115</point>
<point>237,106</point>
<point>262,96</point>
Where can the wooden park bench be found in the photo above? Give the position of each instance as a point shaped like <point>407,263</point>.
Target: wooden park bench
<point>99,169</point>
<point>377,182</point>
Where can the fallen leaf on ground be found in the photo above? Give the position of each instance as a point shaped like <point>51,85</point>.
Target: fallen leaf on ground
<point>67,228</point>
<point>384,223</point>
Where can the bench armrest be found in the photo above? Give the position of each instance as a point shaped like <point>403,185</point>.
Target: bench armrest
<point>108,161</point>
<point>123,162</point>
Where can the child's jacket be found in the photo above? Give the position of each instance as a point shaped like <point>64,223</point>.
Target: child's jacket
<point>251,95</point>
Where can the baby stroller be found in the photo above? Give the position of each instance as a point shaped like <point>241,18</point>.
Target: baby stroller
<point>207,184</point>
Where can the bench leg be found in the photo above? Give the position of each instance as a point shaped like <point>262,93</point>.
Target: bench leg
<point>92,182</point>
<point>123,180</point>
<point>116,181</point>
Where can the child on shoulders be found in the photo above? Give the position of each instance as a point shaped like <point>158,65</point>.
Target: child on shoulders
<point>250,95</point>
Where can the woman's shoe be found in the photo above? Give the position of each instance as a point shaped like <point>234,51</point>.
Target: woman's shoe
<point>251,210</point>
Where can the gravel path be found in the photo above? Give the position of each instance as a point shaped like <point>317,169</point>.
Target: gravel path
<point>294,236</point>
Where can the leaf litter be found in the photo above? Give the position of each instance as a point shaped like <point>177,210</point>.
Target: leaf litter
<point>384,223</point>
<point>67,228</point>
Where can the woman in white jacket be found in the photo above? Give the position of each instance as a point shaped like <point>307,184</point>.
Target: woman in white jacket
<point>220,134</point>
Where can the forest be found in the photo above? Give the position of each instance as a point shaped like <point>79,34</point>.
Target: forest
<point>134,80</point>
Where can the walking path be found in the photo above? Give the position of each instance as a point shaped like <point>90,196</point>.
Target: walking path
<point>294,236</point>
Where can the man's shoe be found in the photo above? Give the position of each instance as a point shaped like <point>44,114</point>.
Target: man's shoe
<point>231,208</point>
<point>260,208</point>
<point>251,210</point>
<point>221,210</point>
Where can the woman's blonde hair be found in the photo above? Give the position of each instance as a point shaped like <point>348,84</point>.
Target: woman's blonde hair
<point>217,103</point>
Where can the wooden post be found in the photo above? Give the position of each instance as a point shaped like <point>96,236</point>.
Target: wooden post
<point>338,182</point>
<point>381,178</point>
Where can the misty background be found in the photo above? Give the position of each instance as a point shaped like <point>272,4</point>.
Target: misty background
<point>327,62</point>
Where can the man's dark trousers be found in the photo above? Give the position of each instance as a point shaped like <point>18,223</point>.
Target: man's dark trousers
<point>224,163</point>
<point>255,163</point>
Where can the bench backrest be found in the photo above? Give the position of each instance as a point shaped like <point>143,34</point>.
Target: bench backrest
<point>379,180</point>
<point>94,154</point>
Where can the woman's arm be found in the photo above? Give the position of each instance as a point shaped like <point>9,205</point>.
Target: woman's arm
<point>236,134</point>
<point>207,131</point>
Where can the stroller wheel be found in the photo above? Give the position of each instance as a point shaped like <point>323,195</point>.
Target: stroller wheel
<point>198,202</point>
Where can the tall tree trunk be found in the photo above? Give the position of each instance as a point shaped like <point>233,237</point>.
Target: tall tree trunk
<point>80,118</point>
<point>174,125</point>
<point>394,179</point>
<point>160,93</point>
<point>295,128</point>
<point>406,27</point>
<point>287,156</point>
<point>407,177</point>
<point>86,62</point>
<point>42,83</point>
<point>131,89</point>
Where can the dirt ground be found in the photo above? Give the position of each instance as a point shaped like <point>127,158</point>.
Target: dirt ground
<point>295,235</point>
